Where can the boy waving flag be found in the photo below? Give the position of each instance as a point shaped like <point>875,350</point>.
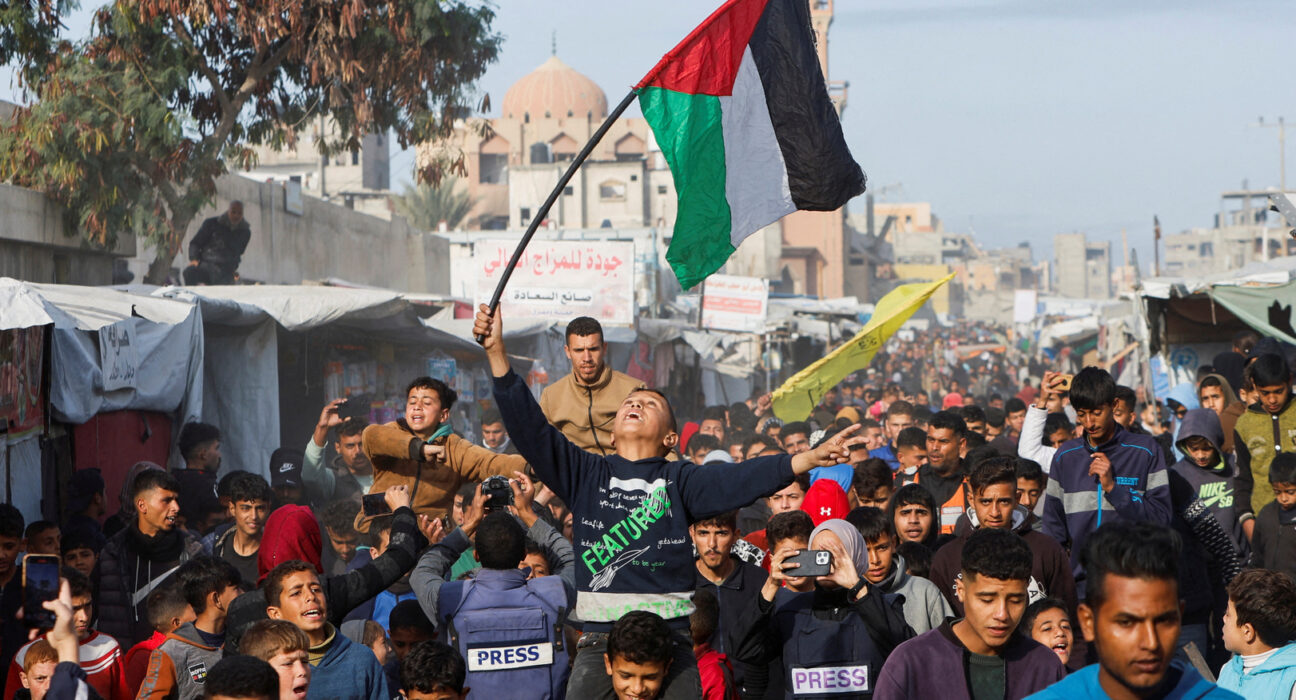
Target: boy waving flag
<point>741,111</point>
<point>631,510</point>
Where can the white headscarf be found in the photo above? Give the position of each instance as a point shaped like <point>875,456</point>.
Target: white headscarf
<point>852,541</point>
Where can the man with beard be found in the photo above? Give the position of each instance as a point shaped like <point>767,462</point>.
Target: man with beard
<point>351,475</point>
<point>584,403</point>
<point>737,587</point>
<point>217,249</point>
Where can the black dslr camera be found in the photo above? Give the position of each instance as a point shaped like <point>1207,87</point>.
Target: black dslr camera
<point>497,493</point>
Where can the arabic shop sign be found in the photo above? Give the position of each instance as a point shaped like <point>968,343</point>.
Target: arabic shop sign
<point>560,280</point>
<point>735,303</point>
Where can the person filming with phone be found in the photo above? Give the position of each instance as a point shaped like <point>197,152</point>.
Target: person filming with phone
<point>838,635</point>
<point>350,474</point>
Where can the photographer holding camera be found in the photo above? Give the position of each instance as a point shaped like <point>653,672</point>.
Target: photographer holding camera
<point>509,629</point>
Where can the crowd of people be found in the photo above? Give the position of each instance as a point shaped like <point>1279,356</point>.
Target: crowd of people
<point>944,525</point>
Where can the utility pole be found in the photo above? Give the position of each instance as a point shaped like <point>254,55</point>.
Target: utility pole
<point>1282,149</point>
<point>1156,246</point>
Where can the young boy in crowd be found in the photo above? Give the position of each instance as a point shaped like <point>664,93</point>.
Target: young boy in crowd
<point>339,519</point>
<point>1260,630</point>
<point>178,667</point>
<point>913,512</point>
<point>1031,481</point>
<point>1106,474</point>
<point>993,485</point>
<point>11,533</point>
<point>167,610</point>
<point>99,655</point>
<point>249,507</point>
<point>284,647</point>
<point>1206,472</point>
<point>241,678</point>
<point>924,606</point>
<point>42,537</point>
<point>434,671</point>
<point>340,668</point>
<point>1273,544</point>
<point>408,627</point>
<point>911,454</point>
<point>639,654</point>
<point>79,551</point>
<point>38,669</point>
<point>978,655</point>
<point>638,555</point>
<point>713,667</point>
<point>873,483</point>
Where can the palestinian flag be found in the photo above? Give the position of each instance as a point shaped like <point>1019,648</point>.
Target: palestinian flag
<point>741,111</point>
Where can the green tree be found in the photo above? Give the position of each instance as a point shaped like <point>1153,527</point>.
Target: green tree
<point>130,128</point>
<point>426,206</point>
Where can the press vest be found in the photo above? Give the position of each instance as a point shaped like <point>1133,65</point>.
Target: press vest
<point>825,658</point>
<point>509,631</point>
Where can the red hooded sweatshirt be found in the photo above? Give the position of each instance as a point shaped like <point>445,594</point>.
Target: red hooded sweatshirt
<point>824,501</point>
<point>290,533</point>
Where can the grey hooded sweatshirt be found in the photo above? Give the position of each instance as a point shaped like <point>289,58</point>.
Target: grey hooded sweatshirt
<point>924,607</point>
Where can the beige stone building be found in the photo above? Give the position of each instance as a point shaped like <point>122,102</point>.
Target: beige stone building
<point>513,162</point>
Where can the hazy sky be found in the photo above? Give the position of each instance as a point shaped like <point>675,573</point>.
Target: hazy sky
<point>1016,119</point>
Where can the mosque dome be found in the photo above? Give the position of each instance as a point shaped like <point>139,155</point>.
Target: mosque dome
<point>554,90</point>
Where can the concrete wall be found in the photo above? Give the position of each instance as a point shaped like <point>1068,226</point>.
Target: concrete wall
<point>34,248</point>
<point>326,240</point>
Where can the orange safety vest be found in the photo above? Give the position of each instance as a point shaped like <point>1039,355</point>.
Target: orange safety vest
<point>950,510</point>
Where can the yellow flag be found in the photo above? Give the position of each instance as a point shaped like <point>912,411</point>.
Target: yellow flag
<point>798,396</point>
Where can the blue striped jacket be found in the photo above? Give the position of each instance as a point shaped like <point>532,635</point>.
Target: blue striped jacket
<point>1072,498</point>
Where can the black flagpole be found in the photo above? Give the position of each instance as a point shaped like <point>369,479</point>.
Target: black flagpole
<point>553,197</point>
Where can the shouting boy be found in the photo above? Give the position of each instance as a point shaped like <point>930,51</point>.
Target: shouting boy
<point>632,509</point>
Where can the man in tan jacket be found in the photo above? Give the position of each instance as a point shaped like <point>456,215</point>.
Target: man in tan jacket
<point>423,453</point>
<point>583,404</point>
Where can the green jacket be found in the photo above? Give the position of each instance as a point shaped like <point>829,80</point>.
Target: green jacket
<point>1259,437</point>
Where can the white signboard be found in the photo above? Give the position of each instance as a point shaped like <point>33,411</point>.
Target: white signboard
<point>1025,303</point>
<point>560,279</point>
<point>735,303</point>
<point>118,356</point>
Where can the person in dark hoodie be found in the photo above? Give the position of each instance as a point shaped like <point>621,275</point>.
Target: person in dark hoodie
<point>994,505</point>
<point>1131,617</point>
<point>292,533</point>
<point>1204,480</point>
<point>980,655</point>
<point>142,557</point>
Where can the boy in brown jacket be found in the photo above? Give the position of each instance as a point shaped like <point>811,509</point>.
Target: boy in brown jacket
<point>421,452</point>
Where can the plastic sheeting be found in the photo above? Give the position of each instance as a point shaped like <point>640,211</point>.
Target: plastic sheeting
<point>166,349</point>
<point>21,477</point>
<point>242,370</point>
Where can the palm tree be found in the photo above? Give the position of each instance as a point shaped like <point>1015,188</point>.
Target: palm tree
<point>426,206</point>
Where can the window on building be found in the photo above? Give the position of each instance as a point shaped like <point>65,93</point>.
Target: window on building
<point>1207,250</point>
<point>492,168</point>
<point>569,190</point>
<point>612,191</point>
<point>661,189</point>
<point>525,215</point>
